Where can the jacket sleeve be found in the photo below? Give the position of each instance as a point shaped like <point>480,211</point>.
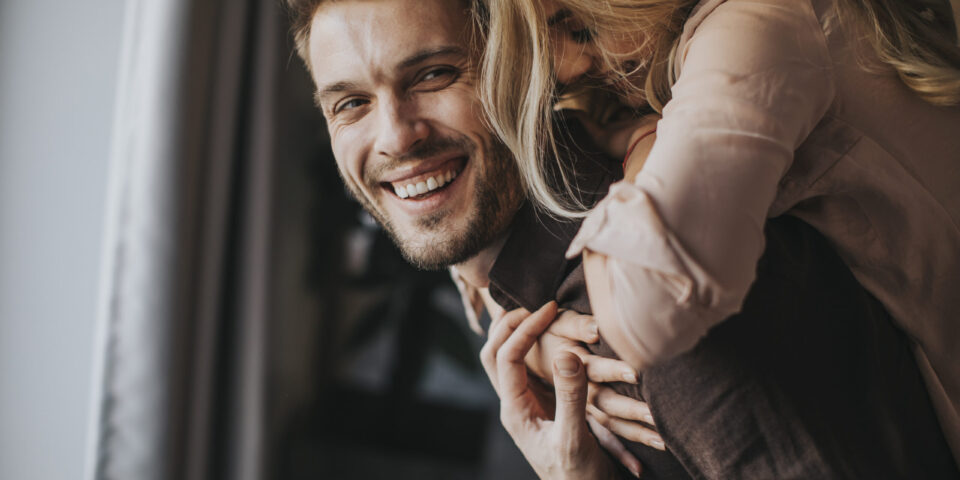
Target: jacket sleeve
<point>682,240</point>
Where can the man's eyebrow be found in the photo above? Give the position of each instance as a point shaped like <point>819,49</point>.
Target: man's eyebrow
<point>558,17</point>
<point>331,89</point>
<point>428,53</point>
<point>416,58</point>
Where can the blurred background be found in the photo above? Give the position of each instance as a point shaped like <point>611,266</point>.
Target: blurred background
<point>58,77</point>
<point>186,292</point>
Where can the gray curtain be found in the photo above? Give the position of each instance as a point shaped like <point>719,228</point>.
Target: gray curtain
<point>182,326</point>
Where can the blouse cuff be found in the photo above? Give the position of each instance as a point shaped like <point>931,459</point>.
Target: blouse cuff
<point>651,284</point>
<point>625,226</point>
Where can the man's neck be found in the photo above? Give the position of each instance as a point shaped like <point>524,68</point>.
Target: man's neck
<point>476,270</point>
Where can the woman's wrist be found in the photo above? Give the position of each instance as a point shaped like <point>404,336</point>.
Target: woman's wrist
<point>635,140</point>
<point>634,162</point>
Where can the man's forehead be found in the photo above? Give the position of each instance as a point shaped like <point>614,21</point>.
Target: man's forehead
<point>380,34</point>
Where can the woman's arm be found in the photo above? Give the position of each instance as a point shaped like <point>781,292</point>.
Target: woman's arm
<point>595,264</point>
<point>677,247</point>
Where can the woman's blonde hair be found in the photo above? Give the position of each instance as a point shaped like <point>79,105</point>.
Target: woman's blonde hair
<point>518,87</point>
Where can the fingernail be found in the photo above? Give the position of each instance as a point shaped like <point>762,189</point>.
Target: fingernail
<point>658,444</point>
<point>635,471</point>
<point>648,419</point>
<point>630,377</point>
<point>593,331</point>
<point>568,367</point>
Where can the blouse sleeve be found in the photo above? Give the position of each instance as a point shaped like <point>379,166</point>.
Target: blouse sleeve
<point>683,239</point>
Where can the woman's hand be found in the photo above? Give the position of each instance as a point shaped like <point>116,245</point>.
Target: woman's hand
<point>623,416</point>
<point>571,331</point>
<point>557,443</point>
<point>609,413</point>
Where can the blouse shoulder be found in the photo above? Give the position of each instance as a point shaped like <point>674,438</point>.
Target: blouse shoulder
<point>771,53</point>
<point>777,22</point>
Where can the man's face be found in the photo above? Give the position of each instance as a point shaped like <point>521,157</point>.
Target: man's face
<point>395,82</point>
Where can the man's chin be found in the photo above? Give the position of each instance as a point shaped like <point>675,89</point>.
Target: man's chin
<point>433,253</point>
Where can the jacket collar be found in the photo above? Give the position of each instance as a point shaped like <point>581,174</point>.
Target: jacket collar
<point>532,264</point>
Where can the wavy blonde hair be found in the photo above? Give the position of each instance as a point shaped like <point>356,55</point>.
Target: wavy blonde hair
<point>518,87</point>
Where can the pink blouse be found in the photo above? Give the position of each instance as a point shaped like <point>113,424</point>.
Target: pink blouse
<point>779,108</point>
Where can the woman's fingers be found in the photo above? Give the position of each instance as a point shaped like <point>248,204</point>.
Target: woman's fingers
<point>612,444</point>
<point>510,369</point>
<point>574,326</point>
<point>632,431</point>
<point>622,406</point>
<point>603,370</point>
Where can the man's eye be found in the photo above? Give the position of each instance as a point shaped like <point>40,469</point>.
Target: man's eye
<point>349,104</point>
<point>435,73</point>
<point>438,78</point>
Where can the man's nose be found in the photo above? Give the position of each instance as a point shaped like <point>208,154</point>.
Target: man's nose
<point>401,129</point>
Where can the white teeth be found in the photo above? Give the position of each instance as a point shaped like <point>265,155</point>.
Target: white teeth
<point>430,184</point>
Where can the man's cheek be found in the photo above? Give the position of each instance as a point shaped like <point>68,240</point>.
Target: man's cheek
<point>354,146</point>
<point>350,166</point>
<point>459,108</point>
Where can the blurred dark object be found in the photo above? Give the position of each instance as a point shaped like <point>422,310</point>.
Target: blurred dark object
<point>255,324</point>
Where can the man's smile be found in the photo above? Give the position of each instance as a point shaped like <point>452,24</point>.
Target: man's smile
<point>398,90</point>
<point>418,187</point>
<point>426,187</point>
<point>422,182</point>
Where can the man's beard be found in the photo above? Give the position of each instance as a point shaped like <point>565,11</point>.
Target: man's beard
<point>496,198</point>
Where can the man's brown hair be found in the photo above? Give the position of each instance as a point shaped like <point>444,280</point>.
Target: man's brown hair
<point>301,15</point>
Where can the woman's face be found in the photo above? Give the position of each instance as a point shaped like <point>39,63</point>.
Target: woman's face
<point>574,46</point>
<point>574,51</point>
